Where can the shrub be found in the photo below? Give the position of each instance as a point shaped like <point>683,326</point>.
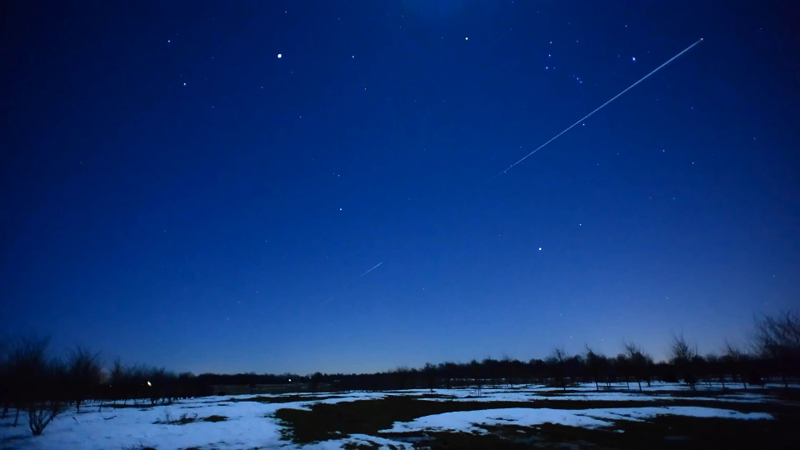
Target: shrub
<point>215,418</point>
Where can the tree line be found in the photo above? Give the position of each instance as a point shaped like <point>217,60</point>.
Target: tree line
<point>40,386</point>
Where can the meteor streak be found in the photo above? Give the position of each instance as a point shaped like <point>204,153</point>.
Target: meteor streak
<point>356,279</point>
<point>370,270</point>
<point>598,109</point>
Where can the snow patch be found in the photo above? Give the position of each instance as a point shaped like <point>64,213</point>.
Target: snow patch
<point>466,421</point>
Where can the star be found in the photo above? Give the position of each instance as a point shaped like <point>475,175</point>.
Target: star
<point>634,58</point>
<point>540,248</point>
<point>280,55</point>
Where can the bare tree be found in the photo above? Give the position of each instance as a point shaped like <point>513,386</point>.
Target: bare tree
<point>44,406</point>
<point>777,338</point>
<point>638,362</point>
<point>685,359</point>
<point>5,379</point>
<point>477,376</point>
<point>25,359</point>
<point>84,374</point>
<point>430,376</point>
<point>117,380</point>
<point>508,369</point>
<point>557,360</point>
<point>715,368</point>
<point>597,365</point>
<point>35,382</point>
<point>734,361</point>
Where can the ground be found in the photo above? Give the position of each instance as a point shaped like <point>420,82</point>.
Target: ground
<point>663,416</point>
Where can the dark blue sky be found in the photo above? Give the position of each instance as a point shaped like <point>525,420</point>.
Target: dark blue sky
<point>174,193</point>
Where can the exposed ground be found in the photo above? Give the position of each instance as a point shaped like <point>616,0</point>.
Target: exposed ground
<point>662,417</point>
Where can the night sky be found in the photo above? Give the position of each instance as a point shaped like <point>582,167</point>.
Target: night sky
<point>187,184</point>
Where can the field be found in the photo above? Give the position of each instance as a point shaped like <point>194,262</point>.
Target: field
<point>662,416</point>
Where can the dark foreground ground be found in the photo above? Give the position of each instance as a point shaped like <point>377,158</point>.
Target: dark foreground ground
<point>521,417</point>
<point>325,422</point>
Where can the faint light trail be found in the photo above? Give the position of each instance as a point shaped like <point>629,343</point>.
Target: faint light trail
<point>354,280</point>
<point>598,109</point>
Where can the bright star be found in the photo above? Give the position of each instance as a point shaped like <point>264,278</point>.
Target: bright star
<point>280,56</point>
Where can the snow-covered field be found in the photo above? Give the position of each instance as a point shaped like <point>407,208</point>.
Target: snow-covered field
<point>251,423</point>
